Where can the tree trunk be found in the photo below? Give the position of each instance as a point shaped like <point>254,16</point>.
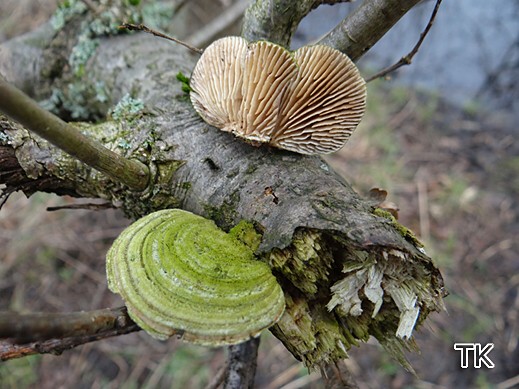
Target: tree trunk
<point>319,236</point>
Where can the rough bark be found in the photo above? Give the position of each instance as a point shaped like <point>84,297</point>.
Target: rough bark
<point>316,230</point>
<point>242,365</point>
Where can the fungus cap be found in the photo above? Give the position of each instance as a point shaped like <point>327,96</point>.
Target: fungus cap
<point>308,101</point>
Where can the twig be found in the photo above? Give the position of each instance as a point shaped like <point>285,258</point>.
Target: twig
<point>337,376</point>
<point>407,59</point>
<point>43,333</point>
<point>242,363</point>
<point>20,107</point>
<point>218,378</point>
<point>509,383</point>
<point>142,27</point>
<point>90,206</point>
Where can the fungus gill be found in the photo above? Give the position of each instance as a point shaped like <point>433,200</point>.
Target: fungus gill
<point>308,101</point>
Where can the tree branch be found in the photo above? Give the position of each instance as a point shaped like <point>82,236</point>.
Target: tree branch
<point>362,28</point>
<point>277,20</point>
<point>15,178</point>
<point>43,333</point>
<point>242,362</point>
<point>26,111</point>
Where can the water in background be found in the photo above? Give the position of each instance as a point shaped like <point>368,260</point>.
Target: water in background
<point>470,41</point>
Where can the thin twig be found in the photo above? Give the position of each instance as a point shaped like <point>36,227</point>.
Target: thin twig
<point>218,378</point>
<point>337,376</point>
<point>20,107</point>
<point>407,59</point>
<point>142,27</point>
<point>42,333</point>
<point>89,206</point>
<point>317,3</point>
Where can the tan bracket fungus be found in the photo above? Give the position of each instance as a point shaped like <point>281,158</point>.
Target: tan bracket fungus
<point>308,101</point>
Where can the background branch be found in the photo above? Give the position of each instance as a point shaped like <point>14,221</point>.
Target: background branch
<point>242,362</point>
<point>44,333</point>
<point>364,26</point>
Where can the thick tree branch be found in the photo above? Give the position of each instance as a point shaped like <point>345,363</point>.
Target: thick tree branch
<point>277,20</point>
<point>15,178</point>
<point>42,333</point>
<point>26,111</point>
<point>364,27</point>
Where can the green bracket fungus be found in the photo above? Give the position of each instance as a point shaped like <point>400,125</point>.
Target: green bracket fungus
<point>179,274</point>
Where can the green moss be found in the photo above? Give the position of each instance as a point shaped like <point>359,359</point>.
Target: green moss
<point>186,88</point>
<point>245,232</point>
<point>404,231</point>
<point>186,185</point>
<point>182,78</point>
<point>225,216</point>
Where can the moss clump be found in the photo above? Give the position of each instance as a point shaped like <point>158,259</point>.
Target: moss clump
<point>225,216</point>
<point>404,231</point>
<point>186,88</point>
<point>245,232</point>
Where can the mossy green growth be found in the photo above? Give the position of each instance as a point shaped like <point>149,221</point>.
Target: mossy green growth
<point>186,88</point>
<point>225,216</point>
<point>306,262</point>
<point>245,232</point>
<point>404,231</point>
<point>179,274</point>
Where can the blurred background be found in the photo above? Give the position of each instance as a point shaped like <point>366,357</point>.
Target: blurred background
<point>439,136</point>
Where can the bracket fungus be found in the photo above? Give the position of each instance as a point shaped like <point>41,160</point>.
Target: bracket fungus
<point>179,274</point>
<point>308,101</point>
